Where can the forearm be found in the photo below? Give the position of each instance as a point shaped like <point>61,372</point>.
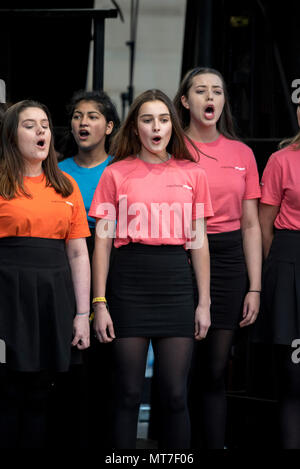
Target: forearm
<point>101,259</point>
<point>201,266</point>
<point>267,239</point>
<point>81,276</point>
<point>252,244</point>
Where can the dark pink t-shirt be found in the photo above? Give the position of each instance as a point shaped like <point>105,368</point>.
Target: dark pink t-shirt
<point>152,203</point>
<point>280,186</point>
<point>232,176</point>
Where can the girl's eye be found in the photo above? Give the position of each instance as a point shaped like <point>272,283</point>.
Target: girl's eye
<point>200,91</point>
<point>76,116</point>
<point>165,120</point>
<point>218,92</point>
<point>146,121</point>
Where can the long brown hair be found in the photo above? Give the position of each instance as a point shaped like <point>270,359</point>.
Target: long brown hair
<point>225,124</point>
<point>127,142</point>
<point>12,165</point>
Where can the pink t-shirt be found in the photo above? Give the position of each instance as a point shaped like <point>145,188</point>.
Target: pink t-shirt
<point>152,203</point>
<point>232,177</point>
<point>281,187</point>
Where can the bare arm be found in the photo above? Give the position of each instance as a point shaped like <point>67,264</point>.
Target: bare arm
<point>201,266</point>
<point>253,255</point>
<point>103,325</point>
<point>267,215</point>
<point>80,268</point>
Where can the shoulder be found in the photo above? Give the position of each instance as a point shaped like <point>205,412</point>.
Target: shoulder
<point>73,181</point>
<point>191,167</point>
<point>238,146</point>
<point>284,154</point>
<point>66,164</point>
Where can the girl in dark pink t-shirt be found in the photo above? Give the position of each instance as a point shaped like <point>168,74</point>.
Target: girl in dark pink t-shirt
<point>279,322</point>
<point>233,234</point>
<point>157,198</point>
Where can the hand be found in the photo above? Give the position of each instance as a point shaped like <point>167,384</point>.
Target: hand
<point>103,323</point>
<point>250,309</point>
<point>202,321</point>
<point>81,331</point>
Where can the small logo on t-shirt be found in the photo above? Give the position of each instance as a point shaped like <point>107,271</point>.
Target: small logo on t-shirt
<point>180,185</point>
<point>239,169</point>
<point>70,203</point>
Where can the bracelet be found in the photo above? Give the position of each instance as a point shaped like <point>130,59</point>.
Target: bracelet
<point>99,299</point>
<point>254,291</point>
<point>83,314</point>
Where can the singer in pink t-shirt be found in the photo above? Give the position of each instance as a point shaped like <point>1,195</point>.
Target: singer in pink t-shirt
<point>279,322</point>
<point>157,199</point>
<point>233,233</point>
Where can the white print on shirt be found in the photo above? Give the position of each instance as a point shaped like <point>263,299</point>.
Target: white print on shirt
<point>180,185</point>
<point>70,203</point>
<point>234,167</point>
<point>157,219</point>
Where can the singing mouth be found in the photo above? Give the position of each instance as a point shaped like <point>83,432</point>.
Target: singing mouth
<point>41,143</point>
<point>83,133</point>
<point>156,139</point>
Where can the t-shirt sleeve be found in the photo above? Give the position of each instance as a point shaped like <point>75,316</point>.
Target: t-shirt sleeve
<point>252,189</point>
<point>271,183</point>
<point>104,203</point>
<point>79,226</point>
<point>202,206</point>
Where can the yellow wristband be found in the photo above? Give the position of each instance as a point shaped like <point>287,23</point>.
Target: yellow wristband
<point>99,299</point>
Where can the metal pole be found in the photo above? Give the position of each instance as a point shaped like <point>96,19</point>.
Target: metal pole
<point>98,54</point>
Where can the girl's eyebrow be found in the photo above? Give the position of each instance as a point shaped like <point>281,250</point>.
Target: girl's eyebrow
<point>34,120</point>
<point>151,115</point>
<point>89,112</point>
<point>205,86</point>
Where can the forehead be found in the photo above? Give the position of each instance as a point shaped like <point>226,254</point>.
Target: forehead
<point>33,113</point>
<point>207,79</point>
<point>154,107</point>
<point>87,106</point>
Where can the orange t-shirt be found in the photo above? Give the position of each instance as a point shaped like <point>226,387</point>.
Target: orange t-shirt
<point>46,214</point>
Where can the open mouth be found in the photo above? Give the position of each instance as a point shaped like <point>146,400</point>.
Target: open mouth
<point>83,133</point>
<point>41,143</point>
<point>156,139</point>
<point>209,112</point>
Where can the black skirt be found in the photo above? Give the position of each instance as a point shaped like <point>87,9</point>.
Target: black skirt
<point>279,319</point>
<point>37,304</point>
<point>150,292</point>
<point>229,279</point>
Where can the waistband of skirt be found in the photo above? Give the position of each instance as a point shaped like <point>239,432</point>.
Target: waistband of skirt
<point>23,250</point>
<point>287,233</point>
<point>286,245</point>
<point>226,236</point>
<point>152,249</point>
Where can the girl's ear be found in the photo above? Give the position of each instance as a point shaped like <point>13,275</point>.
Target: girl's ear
<point>185,102</point>
<point>109,127</point>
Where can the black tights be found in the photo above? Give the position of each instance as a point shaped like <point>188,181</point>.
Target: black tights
<point>289,397</point>
<point>207,393</point>
<point>23,409</point>
<point>173,356</point>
